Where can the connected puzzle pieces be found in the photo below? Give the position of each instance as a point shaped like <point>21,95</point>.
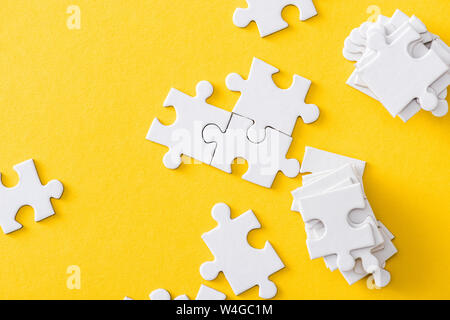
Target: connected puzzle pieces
<point>243,266</point>
<point>259,129</point>
<point>401,64</point>
<point>339,221</point>
<point>28,192</point>
<point>267,14</point>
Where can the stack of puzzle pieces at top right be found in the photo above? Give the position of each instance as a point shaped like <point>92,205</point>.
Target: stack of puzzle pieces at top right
<point>340,224</point>
<point>401,64</point>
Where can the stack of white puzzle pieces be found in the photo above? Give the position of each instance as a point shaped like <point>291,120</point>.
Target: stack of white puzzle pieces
<point>340,224</point>
<point>259,129</point>
<point>401,64</point>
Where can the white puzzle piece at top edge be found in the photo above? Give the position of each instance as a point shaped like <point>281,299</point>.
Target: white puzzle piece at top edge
<point>184,136</point>
<point>267,14</point>
<point>264,159</point>
<point>267,105</point>
<point>243,266</point>
<point>28,192</point>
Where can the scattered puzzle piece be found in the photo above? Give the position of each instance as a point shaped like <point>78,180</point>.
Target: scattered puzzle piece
<point>243,266</point>
<point>28,192</point>
<point>269,106</point>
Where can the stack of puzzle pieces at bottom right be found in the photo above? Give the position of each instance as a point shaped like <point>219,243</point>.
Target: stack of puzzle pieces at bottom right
<point>401,64</point>
<point>340,224</point>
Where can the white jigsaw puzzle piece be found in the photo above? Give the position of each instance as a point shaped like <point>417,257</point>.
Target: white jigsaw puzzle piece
<point>320,185</point>
<point>267,14</point>
<point>316,160</point>
<point>264,159</point>
<point>269,106</point>
<point>162,294</point>
<point>28,192</point>
<point>340,237</point>
<point>243,266</point>
<point>365,215</point>
<point>184,136</point>
<point>207,293</point>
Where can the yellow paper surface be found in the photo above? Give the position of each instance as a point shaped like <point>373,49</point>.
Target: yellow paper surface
<point>80,103</point>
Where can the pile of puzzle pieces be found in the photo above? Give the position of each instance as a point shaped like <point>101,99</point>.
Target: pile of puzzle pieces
<point>243,266</point>
<point>204,293</point>
<point>401,64</point>
<point>259,129</point>
<point>340,224</point>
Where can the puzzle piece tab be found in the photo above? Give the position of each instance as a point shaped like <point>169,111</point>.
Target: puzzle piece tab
<point>267,14</point>
<point>268,105</point>
<point>29,192</point>
<point>184,136</point>
<point>243,266</point>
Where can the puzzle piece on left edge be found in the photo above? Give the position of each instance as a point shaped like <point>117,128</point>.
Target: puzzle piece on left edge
<point>267,14</point>
<point>243,266</point>
<point>28,192</point>
<point>269,106</point>
<point>184,136</point>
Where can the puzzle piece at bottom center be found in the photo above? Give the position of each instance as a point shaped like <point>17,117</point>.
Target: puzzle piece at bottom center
<point>243,266</point>
<point>267,14</point>
<point>264,159</point>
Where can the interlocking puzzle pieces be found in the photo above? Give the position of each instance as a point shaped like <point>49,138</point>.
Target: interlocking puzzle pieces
<point>259,129</point>
<point>333,173</point>
<point>204,293</point>
<point>243,266</point>
<point>267,14</point>
<point>28,192</point>
<point>264,159</point>
<point>361,46</point>
<point>268,105</point>
<point>184,136</point>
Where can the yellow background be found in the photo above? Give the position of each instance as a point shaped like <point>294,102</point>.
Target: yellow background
<point>80,103</point>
